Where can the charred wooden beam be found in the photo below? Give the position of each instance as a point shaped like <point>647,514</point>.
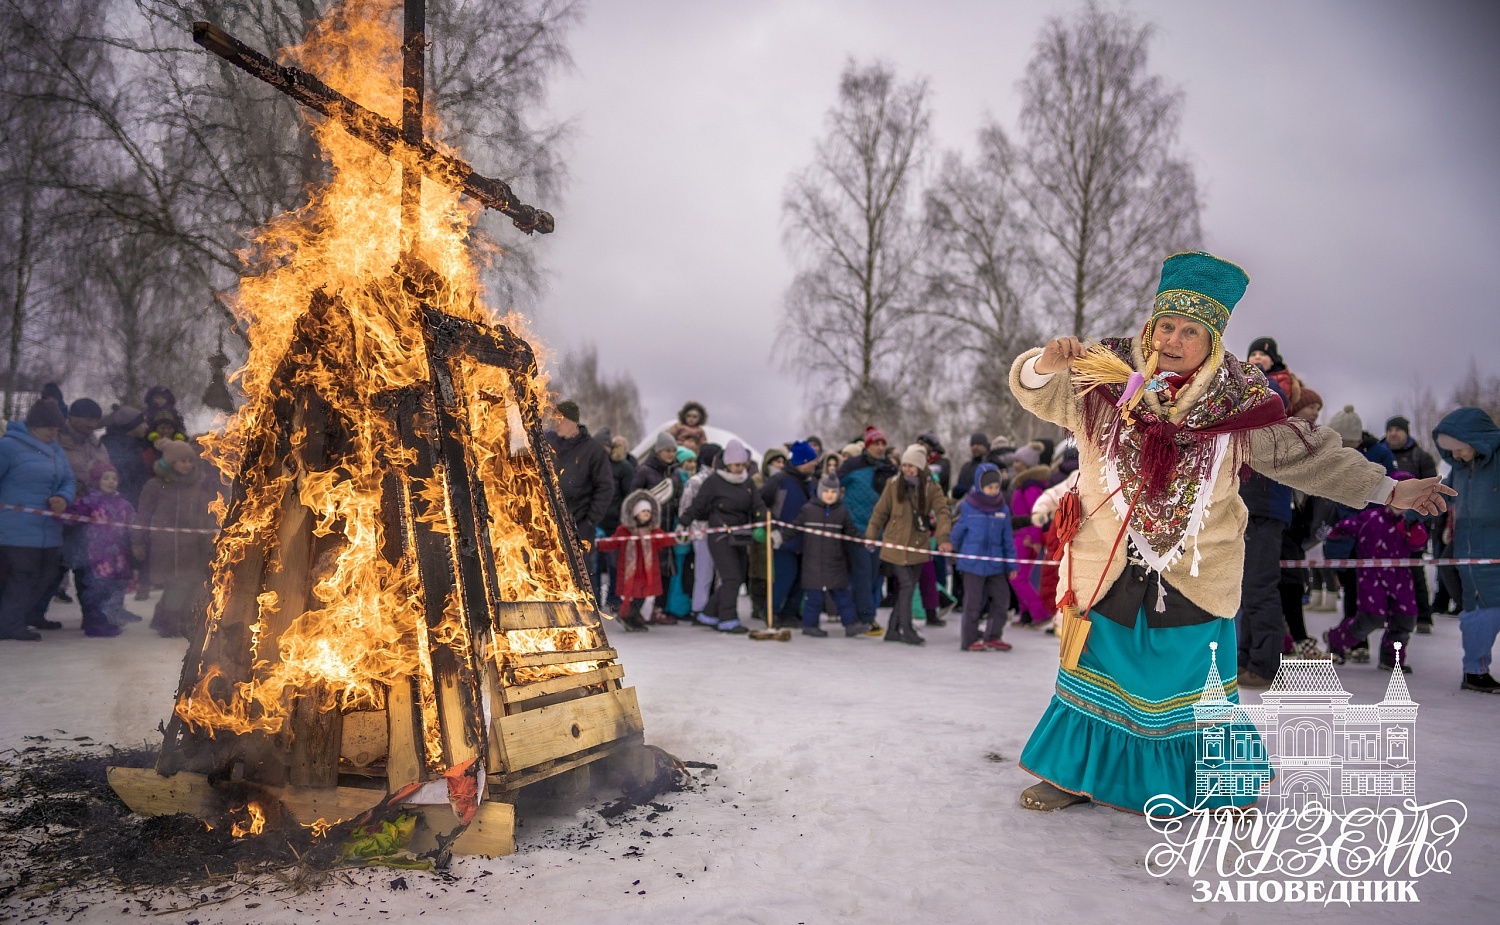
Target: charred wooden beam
<point>455,674</point>
<point>374,129</point>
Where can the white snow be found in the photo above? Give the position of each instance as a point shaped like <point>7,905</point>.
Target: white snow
<point>857,780</point>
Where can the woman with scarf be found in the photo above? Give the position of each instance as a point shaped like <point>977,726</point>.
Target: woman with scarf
<point>1151,573</point>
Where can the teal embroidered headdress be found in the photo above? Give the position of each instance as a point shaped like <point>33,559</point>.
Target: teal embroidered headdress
<point>1201,288</point>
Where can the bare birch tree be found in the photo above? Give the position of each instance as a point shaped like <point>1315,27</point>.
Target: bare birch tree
<point>977,278</point>
<point>852,231</point>
<point>1106,193</point>
<point>604,400</point>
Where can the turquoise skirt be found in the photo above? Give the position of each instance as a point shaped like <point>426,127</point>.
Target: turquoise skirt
<point>1121,728</point>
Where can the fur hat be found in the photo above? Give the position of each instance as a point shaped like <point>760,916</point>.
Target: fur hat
<point>829,482</point>
<point>1399,421</point>
<point>1028,455</point>
<point>1002,443</point>
<point>735,452</point>
<point>568,409</point>
<point>175,450</point>
<point>874,434</point>
<point>915,455</point>
<point>1348,425</point>
<point>44,413</point>
<point>802,453</point>
<point>664,441</point>
<point>693,406</point>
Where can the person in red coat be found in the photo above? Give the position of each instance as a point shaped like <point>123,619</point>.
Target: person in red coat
<point>639,540</point>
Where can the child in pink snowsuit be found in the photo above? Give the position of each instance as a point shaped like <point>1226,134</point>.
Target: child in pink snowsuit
<point>1386,595</point>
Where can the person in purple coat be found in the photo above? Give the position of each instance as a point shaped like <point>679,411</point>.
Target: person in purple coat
<point>1387,596</point>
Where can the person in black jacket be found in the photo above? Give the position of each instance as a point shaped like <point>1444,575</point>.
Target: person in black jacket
<point>728,499</point>
<point>622,471</point>
<point>1410,457</point>
<point>583,473</point>
<point>825,559</point>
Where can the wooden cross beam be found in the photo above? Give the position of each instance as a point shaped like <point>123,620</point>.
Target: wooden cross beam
<point>403,142</point>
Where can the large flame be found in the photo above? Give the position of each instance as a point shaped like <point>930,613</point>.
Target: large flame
<point>330,311</point>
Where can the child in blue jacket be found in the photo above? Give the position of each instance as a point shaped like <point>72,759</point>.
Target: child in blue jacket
<point>983,529</point>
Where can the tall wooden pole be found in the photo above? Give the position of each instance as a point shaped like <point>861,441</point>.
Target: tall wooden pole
<point>413,88</point>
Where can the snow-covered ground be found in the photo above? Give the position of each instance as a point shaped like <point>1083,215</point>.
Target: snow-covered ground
<point>857,780</point>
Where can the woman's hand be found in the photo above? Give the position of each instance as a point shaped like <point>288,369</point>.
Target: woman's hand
<point>1425,496</point>
<point>1059,354</point>
<point>57,503</point>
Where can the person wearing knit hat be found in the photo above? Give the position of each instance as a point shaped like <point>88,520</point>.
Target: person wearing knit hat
<point>910,516</point>
<point>824,568</point>
<point>104,567</point>
<point>657,473</point>
<point>84,451</point>
<point>1152,576</point>
<point>82,445</point>
<point>785,493</point>
<point>584,479</point>
<point>728,499</point>
<point>174,504</point>
<point>35,476</point>
<point>979,447</point>
<point>864,475</point>
<point>1308,406</point>
<point>1348,426</point>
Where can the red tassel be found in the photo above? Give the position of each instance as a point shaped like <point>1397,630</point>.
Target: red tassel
<point>1069,517</point>
<point>1159,457</point>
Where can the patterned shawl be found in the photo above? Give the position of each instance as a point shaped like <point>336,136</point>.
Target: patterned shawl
<point>1165,471</point>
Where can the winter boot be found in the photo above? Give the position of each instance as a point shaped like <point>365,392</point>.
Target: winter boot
<point>634,622</point>
<point>1308,649</point>
<point>815,631</point>
<point>856,629</point>
<point>1482,683</point>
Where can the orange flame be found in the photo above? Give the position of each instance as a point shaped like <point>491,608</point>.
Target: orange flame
<point>330,311</point>
<point>254,824</point>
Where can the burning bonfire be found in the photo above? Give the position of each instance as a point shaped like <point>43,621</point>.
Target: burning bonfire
<point>398,612</point>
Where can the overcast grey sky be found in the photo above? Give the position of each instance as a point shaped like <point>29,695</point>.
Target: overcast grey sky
<point>1347,154</point>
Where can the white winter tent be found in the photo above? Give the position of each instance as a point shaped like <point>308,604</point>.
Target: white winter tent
<point>715,435</point>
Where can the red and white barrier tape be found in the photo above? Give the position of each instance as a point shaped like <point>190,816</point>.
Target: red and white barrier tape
<point>690,535</point>
<point>80,519</point>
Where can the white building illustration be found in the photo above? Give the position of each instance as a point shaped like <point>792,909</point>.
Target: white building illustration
<point>1306,740</point>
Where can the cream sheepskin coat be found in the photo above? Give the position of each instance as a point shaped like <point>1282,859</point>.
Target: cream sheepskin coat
<point>1216,553</point>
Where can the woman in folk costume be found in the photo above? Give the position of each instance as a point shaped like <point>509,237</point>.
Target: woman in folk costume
<point>1150,579</point>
